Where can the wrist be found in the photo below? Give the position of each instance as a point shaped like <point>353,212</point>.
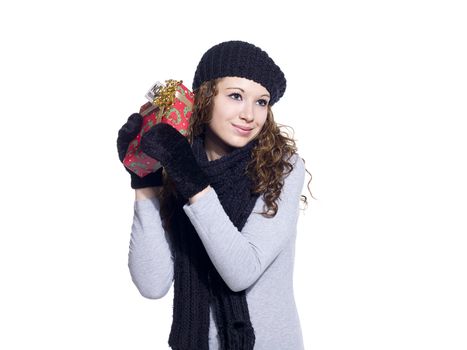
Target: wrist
<point>198,195</point>
<point>147,193</point>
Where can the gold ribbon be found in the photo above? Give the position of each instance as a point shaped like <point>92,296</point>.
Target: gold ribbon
<point>164,95</point>
<point>183,98</point>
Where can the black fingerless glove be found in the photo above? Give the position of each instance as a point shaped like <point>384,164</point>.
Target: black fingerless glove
<point>172,149</point>
<point>126,134</point>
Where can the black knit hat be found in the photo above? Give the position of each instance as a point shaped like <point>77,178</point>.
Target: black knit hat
<point>241,59</point>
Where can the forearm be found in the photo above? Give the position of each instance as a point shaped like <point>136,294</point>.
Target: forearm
<point>241,257</point>
<point>150,257</point>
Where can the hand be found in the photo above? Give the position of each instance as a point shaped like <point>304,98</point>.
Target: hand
<point>126,134</point>
<point>167,145</point>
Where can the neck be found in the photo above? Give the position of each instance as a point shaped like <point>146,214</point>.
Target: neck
<point>215,148</point>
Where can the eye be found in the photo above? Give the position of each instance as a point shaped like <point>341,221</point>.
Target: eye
<point>236,96</point>
<point>263,102</point>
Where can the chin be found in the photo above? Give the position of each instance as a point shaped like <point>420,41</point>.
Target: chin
<point>239,142</point>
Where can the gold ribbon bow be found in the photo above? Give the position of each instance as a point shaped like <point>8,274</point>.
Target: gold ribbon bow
<point>164,95</point>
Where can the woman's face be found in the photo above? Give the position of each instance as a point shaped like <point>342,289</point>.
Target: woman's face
<point>239,113</point>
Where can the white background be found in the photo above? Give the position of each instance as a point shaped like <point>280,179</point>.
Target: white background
<point>377,97</point>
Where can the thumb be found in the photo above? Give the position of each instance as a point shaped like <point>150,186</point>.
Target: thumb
<point>127,133</point>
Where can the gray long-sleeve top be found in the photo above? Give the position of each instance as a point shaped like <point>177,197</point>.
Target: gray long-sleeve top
<point>259,259</point>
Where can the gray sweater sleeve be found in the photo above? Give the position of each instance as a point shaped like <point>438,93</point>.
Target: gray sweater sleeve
<point>241,257</point>
<point>150,258</point>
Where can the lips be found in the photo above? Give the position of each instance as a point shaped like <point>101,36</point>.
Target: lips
<point>244,128</point>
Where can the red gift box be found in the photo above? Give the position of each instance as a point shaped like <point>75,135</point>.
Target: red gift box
<point>171,104</point>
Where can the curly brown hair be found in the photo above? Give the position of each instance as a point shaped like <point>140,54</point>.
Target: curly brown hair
<point>270,162</point>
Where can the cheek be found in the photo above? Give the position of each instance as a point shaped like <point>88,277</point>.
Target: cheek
<point>216,120</point>
<point>221,117</point>
<point>260,123</point>
<point>217,125</point>
<point>218,113</point>
<point>213,127</point>
<point>262,119</point>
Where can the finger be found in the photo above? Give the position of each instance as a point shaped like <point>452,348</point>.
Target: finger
<point>127,133</point>
<point>136,119</point>
<point>130,129</point>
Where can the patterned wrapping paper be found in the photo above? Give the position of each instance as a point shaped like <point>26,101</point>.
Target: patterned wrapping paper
<point>171,103</point>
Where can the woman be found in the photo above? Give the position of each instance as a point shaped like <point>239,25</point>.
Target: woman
<point>220,220</point>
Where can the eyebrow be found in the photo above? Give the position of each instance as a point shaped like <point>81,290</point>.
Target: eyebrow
<point>267,95</point>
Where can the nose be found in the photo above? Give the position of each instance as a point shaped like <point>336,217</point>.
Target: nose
<point>247,113</point>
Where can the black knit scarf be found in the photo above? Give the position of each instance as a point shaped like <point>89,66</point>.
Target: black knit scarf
<point>197,284</point>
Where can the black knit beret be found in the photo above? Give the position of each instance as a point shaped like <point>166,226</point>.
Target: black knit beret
<point>241,59</point>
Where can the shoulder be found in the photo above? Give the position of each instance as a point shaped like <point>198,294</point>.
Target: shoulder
<point>297,161</point>
<point>294,179</point>
<point>297,174</point>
